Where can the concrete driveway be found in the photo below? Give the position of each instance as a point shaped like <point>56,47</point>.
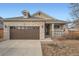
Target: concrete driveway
<point>20,48</point>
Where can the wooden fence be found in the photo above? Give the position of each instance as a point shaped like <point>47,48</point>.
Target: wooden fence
<point>1,34</point>
<point>72,35</point>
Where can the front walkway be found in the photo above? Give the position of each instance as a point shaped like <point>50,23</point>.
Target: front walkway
<point>20,48</point>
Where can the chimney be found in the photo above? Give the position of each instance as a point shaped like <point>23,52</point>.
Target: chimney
<point>26,14</point>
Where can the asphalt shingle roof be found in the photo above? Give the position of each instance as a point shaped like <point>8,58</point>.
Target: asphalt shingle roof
<point>33,18</point>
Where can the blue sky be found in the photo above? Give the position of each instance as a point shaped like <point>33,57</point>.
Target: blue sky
<point>60,10</point>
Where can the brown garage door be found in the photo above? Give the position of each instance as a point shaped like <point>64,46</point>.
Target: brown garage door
<point>22,32</point>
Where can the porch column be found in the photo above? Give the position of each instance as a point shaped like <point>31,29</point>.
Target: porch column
<point>52,30</point>
<point>42,32</point>
<point>6,33</point>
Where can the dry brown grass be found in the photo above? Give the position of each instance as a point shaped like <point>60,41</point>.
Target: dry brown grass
<point>61,48</point>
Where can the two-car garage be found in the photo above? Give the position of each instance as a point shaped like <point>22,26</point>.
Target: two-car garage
<point>24,32</point>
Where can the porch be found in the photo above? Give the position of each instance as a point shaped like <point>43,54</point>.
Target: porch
<point>54,30</point>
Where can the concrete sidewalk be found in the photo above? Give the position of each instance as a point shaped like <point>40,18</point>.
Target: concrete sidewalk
<point>20,48</point>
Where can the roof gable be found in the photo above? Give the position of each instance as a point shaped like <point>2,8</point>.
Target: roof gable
<point>41,15</point>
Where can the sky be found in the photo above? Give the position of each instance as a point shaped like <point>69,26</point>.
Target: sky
<point>57,10</point>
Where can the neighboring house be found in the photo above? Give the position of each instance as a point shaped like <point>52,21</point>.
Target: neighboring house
<point>36,26</point>
<point>76,23</point>
<point>1,28</point>
<point>1,23</point>
<point>73,26</point>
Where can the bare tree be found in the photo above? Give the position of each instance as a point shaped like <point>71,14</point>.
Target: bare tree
<point>75,10</point>
<point>75,13</point>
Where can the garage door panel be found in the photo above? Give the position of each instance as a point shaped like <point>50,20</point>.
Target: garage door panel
<point>25,33</point>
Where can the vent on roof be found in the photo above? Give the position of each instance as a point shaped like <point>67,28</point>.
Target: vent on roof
<point>39,13</point>
<point>26,14</point>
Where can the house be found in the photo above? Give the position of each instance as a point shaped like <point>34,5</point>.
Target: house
<point>1,23</point>
<point>76,24</point>
<point>36,27</point>
<point>73,26</point>
<point>1,28</point>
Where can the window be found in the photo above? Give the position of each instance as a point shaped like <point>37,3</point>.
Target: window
<point>12,27</point>
<point>56,26</point>
<point>29,27</point>
<point>22,27</point>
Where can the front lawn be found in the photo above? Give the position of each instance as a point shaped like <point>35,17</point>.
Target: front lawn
<point>61,48</point>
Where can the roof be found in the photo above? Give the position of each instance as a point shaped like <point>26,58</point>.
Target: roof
<point>39,12</point>
<point>35,17</point>
<point>21,17</point>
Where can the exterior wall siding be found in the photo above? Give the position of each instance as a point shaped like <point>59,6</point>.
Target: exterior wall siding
<point>8,24</point>
<point>54,32</point>
<point>42,16</point>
